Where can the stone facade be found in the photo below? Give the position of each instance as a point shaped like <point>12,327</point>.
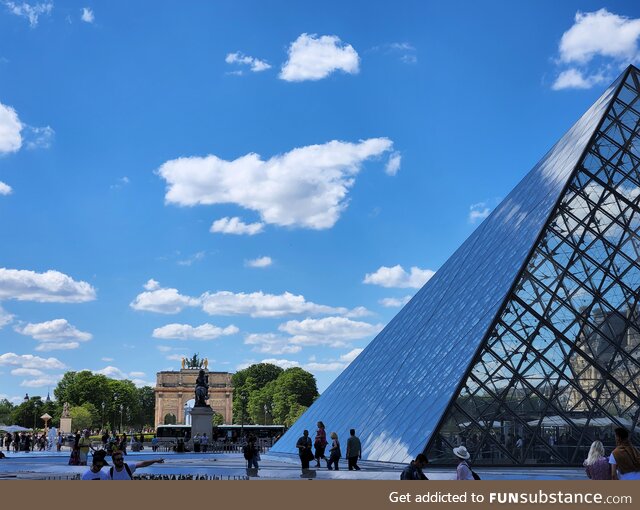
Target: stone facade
<point>174,389</point>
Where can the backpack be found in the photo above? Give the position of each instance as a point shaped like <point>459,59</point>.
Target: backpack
<point>126,466</point>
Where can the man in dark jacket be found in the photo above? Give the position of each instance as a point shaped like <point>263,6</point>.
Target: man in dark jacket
<point>354,451</point>
<point>414,470</point>
<point>304,449</point>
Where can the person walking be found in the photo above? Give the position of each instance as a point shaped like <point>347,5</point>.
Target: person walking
<point>625,458</point>
<point>123,471</point>
<point>122,446</point>
<point>204,441</point>
<point>334,453</point>
<point>463,471</point>
<point>596,464</point>
<point>304,449</point>
<point>414,470</point>
<point>95,471</point>
<point>7,440</point>
<point>320,443</point>
<point>84,445</point>
<point>251,453</point>
<point>354,451</point>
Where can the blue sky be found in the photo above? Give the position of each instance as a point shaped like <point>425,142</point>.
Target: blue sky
<point>262,181</point>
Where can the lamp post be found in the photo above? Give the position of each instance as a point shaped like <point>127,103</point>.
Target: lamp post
<point>102,420</point>
<point>243,399</point>
<point>121,410</point>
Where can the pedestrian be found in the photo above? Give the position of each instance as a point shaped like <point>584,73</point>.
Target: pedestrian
<point>334,453</point>
<point>251,453</point>
<point>625,458</point>
<point>7,440</point>
<point>196,443</point>
<point>84,445</point>
<point>59,441</point>
<point>304,449</point>
<point>95,471</point>
<point>464,471</point>
<point>596,464</point>
<point>123,471</point>
<point>354,451</point>
<point>320,443</point>
<point>123,444</point>
<point>414,470</point>
<point>204,441</point>
<point>154,443</point>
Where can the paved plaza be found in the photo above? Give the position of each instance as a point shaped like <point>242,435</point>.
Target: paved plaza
<point>48,465</point>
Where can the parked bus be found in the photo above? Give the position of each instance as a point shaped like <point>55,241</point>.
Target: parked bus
<point>226,433</point>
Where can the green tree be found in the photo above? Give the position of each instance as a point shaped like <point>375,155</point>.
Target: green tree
<point>146,398</point>
<point>80,418</point>
<point>217,419</point>
<point>294,389</point>
<point>28,413</point>
<point>6,408</point>
<point>247,382</point>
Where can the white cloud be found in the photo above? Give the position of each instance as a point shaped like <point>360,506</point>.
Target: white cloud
<point>111,371</point>
<point>256,65</point>
<point>122,182</point>
<point>5,317</point>
<point>358,311</point>
<point>57,329</point>
<point>152,285</point>
<point>168,301</point>
<point>107,360</point>
<point>47,287</point>
<point>394,302</point>
<point>393,165</point>
<point>235,226</point>
<point>306,187</point>
<point>259,262</point>
<point>282,363</point>
<point>270,343</point>
<point>187,332</point>
<point>137,374</point>
<point>196,257</point>
<point>41,382</point>
<point>87,15</point>
<point>258,304</point>
<point>351,355</point>
<point>600,33</point>
<point>478,212</point>
<point>56,346</point>
<point>38,137</point>
<point>27,372</point>
<point>332,331</point>
<point>30,361</point>
<point>313,58</point>
<point>5,189</point>
<point>30,12</point>
<point>325,367</point>
<point>10,129</point>
<point>574,79</point>
<point>396,276</point>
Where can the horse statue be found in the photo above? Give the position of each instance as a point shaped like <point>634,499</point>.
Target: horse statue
<point>202,389</point>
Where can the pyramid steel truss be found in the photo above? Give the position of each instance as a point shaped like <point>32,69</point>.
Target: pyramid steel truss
<point>525,345</point>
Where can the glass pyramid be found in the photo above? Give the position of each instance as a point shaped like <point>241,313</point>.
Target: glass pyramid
<point>525,345</point>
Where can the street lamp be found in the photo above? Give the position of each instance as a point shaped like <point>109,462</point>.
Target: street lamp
<point>121,409</point>
<point>102,420</point>
<point>243,399</point>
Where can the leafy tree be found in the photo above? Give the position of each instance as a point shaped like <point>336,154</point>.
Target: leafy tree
<point>247,382</point>
<point>217,419</point>
<point>80,418</point>
<point>6,408</point>
<point>27,414</point>
<point>146,408</point>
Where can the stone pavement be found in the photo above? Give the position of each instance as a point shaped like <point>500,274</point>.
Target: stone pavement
<point>48,465</point>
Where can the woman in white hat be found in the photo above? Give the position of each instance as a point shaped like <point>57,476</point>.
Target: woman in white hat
<point>463,472</point>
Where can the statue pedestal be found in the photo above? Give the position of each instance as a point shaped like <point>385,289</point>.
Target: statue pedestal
<point>201,421</point>
<point>65,425</point>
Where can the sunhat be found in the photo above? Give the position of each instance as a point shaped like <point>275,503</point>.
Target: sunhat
<point>461,451</point>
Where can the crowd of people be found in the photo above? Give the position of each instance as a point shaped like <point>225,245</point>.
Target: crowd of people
<point>316,450</point>
<point>25,442</point>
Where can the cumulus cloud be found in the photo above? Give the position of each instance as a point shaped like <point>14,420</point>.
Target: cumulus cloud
<point>57,329</point>
<point>600,33</point>
<point>152,285</point>
<point>87,15</point>
<point>159,300</point>
<point>116,373</point>
<point>30,361</point>
<point>394,302</point>
<point>314,58</point>
<point>396,276</point>
<point>596,42</point>
<point>27,372</point>
<point>10,130</point>
<point>351,355</point>
<point>28,11</point>
<point>187,332</point>
<point>235,226</point>
<point>57,346</point>
<point>47,287</point>
<point>332,331</point>
<point>331,366</point>
<point>306,187</point>
<point>282,363</point>
<point>5,189</point>
<point>41,382</point>
<point>270,343</point>
<point>259,304</point>
<point>256,65</point>
<point>393,165</point>
<point>478,212</point>
<point>107,360</point>
<point>259,262</point>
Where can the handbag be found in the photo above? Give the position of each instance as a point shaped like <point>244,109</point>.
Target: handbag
<point>308,454</point>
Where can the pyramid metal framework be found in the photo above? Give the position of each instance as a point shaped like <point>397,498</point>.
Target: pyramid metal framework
<point>525,345</point>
